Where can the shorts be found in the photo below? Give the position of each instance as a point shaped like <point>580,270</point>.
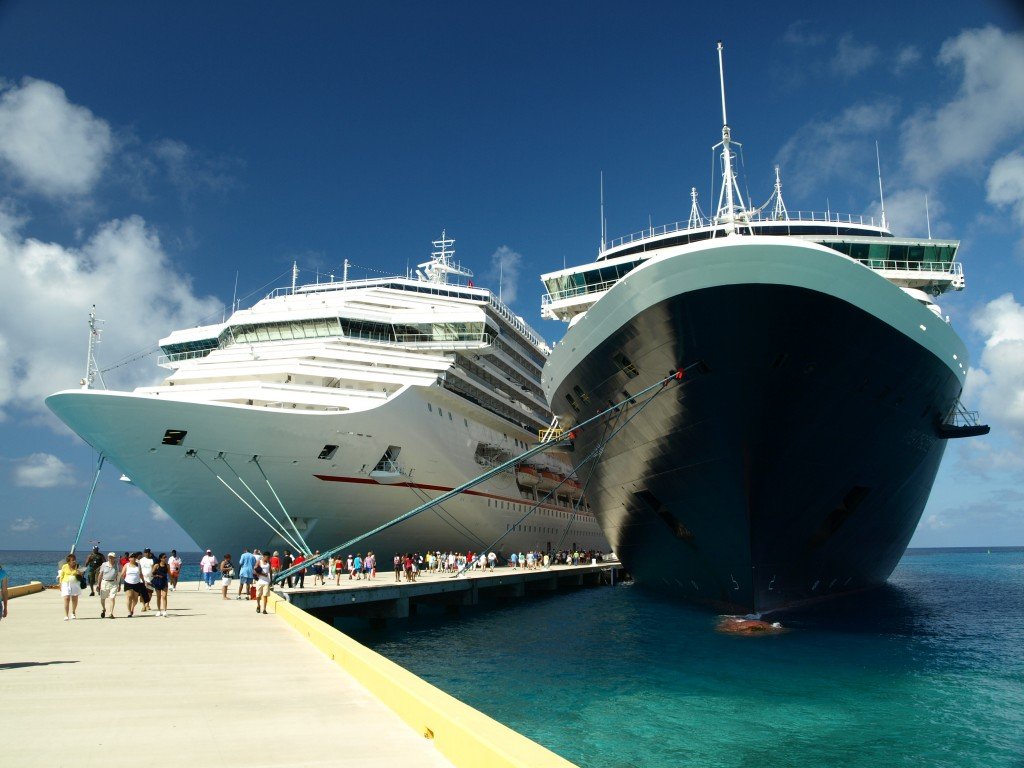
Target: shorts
<point>70,588</point>
<point>245,580</point>
<point>225,581</point>
<point>263,588</point>
<point>108,589</point>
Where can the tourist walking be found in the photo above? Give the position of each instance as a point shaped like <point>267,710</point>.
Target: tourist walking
<point>3,593</point>
<point>134,587</point>
<point>208,565</point>
<point>146,564</point>
<point>160,584</point>
<point>108,581</point>
<point>70,588</point>
<point>286,563</point>
<point>227,570</point>
<point>92,562</point>
<point>398,567</point>
<point>264,577</point>
<point>173,569</point>
<point>246,564</point>
<point>300,575</point>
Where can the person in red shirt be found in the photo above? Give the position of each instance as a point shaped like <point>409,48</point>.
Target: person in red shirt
<point>300,577</point>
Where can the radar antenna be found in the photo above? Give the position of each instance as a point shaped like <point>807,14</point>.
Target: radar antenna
<point>441,265</point>
<point>779,212</point>
<point>696,217</point>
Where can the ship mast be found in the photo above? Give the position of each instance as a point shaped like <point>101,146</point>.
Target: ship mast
<point>92,371</point>
<point>729,210</point>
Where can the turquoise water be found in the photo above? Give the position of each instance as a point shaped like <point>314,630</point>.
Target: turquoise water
<point>928,671</point>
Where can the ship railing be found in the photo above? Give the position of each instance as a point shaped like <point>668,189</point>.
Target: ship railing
<point>576,290</point>
<point>795,217</point>
<point>388,465</point>
<point>959,416</point>
<point>165,361</point>
<point>550,434</point>
<point>443,340</point>
<point>516,322</point>
<point>953,269</point>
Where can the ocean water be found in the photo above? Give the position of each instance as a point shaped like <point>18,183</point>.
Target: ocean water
<point>23,565</point>
<point>928,671</point>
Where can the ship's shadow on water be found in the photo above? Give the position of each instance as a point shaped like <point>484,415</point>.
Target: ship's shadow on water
<point>887,610</point>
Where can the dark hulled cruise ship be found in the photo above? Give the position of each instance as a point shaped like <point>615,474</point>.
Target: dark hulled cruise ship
<point>794,459</point>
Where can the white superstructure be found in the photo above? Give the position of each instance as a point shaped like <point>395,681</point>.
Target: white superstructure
<point>327,409</point>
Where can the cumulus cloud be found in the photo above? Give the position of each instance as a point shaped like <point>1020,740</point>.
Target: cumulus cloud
<point>158,514</point>
<point>997,384</point>
<point>852,57</point>
<point>49,145</point>
<point>506,265</point>
<point>23,524</point>
<point>43,470</point>
<point>820,151</point>
<point>986,110</point>
<point>1005,185</point>
<point>906,58</point>
<point>47,293</point>
<point>907,214</point>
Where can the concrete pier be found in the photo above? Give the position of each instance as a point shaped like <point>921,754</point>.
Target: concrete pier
<point>383,597</point>
<point>216,682</point>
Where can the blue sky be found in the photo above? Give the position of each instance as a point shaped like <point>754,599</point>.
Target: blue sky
<point>150,153</point>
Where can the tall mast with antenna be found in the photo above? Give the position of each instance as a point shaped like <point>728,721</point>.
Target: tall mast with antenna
<point>729,211</point>
<point>881,195</point>
<point>92,371</point>
<point>779,212</point>
<point>604,224</point>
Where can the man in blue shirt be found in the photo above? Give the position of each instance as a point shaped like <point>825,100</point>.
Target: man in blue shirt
<point>246,564</point>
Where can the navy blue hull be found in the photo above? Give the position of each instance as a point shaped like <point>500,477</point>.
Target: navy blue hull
<point>795,467</point>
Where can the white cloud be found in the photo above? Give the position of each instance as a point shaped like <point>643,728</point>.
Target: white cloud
<point>986,110</point>
<point>906,213</point>
<point>799,34</point>
<point>23,524</point>
<point>506,265</point>
<point>836,148</point>
<point>53,147</point>
<point>47,293</point>
<point>1005,185</point>
<point>851,57</point>
<point>997,384</point>
<point>906,58</point>
<point>158,514</point>
<point>43,470</point>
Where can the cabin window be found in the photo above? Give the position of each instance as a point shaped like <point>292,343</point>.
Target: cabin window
<point>328,452</point>
<point>625,365</point>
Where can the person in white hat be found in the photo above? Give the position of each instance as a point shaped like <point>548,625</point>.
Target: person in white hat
<point>208,565</point>
<point>108,577</point>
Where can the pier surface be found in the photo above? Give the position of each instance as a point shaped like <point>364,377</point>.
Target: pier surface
<point>214,683</point>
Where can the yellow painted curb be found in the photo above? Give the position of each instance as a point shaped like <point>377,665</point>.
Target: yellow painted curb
<point>462,734</point>
<point>25,589</point>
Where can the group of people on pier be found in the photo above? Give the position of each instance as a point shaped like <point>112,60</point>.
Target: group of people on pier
<point>141,575</point>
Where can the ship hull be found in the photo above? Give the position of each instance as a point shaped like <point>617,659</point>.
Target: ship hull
<point>794,463</point>
<point>211,486</point>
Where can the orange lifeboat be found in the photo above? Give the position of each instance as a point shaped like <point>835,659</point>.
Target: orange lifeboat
<point>527,476</point>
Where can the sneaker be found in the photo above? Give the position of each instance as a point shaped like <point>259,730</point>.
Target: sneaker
<point>73,616</point>
<point>264,610</point>
<point>103,614</point>
<point>66,618</point>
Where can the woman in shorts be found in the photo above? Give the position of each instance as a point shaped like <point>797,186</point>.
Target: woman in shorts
<point>70,588</point>
<point>131,577</point>
<point>160,584</point>
<point>227,569</point>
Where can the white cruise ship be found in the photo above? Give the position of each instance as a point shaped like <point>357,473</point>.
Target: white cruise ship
<point>325,410</point>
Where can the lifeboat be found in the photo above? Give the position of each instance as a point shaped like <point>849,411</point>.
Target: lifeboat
<point>527,476</point>
<point>572,488</point>
<point>549,480</point>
